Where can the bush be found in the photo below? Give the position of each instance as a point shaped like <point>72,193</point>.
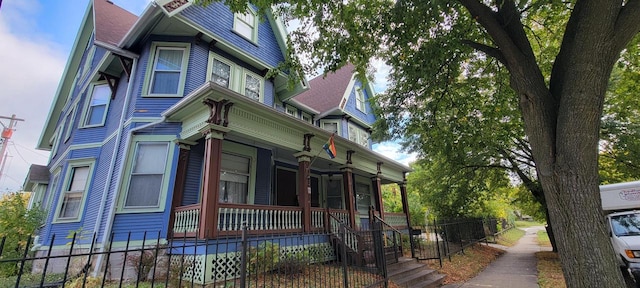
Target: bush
<point>265,257</point>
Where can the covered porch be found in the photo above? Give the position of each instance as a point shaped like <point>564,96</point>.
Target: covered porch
<point>242,163</point>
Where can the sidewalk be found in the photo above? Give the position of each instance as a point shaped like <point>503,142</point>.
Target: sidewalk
<point>514,269</point>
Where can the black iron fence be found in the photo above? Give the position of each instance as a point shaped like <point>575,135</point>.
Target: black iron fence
<point>346,258</point>
<point>441,239</point>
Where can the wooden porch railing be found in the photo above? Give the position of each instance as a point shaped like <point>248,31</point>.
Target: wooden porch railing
<point>260,219</point>
<point>187,220</point>
<point>396,220</point>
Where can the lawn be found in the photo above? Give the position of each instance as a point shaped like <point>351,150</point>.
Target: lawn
<point>510,237</point>
<point>526,224</point>
<point>549,270</point>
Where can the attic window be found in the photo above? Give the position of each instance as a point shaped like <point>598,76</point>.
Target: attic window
<point>245,24</point>
<point>360,99</point>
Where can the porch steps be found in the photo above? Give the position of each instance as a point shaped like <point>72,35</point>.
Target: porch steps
<point>409,273</point>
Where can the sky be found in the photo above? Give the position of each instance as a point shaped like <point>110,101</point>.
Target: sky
<point>36,37</point>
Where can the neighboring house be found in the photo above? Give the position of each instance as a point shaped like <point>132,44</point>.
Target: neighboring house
<point>166,123</point>
<point>37,182</point>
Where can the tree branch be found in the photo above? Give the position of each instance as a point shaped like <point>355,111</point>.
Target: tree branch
<point>490,51</point>
<point>627,24</point>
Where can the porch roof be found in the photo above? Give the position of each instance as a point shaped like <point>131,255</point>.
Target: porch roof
<point>260,122</point>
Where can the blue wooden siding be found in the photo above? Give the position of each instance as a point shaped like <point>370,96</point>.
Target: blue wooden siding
<point>194,174</point>
<point>137,223</point>
<point>263,177</point>
<point>218,19</point>
<point>95,194</point>
<point>350,107</point>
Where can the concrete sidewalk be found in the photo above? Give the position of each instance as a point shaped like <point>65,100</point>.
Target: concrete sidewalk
<point>514,269</point>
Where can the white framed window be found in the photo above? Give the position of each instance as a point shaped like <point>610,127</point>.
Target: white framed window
<point>46,200</point>
<point>292,111</point>
<point>167,69</point>
<point>246,25</point>
<point>97,105</point>
<point>252,87</point>
<point>55,141</point>
<point>331,125</point>
<point>70,117</point>
<point>147,175</point>
<point>360,105</point>
<point>73,194</point>
<point>221,72</point>
<point>306,117</point>
<point>226,73</point>
<point>358,135</point>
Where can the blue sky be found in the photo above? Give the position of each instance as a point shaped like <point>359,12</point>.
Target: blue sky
<point>36,37</point>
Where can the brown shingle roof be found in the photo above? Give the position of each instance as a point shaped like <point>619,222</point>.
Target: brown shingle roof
<point>37,174</point>
<point>325,93</point>
<point>112,22</point>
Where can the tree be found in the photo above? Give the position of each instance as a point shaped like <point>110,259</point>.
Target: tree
<point>428,43</point>
<point>17,223</point>
<point>392,201</point>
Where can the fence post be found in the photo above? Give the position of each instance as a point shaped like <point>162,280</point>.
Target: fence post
<point>435,231</point>
<point>243,258</point>
<point>343,235</point>
<point>24,257</point>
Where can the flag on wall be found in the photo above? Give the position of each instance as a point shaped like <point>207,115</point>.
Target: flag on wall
<point>330,147</point>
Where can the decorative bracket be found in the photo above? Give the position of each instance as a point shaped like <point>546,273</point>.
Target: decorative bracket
<point>198,38</point>
<point>127,64</point>
<point>212,44</point>
<point>379,166</point>
<point>219,111</point>
<point>349,154</point>
<point>307,142</point>
<point>112,81</point>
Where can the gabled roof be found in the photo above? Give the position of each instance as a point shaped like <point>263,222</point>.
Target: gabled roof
<point>111,21</point>
<point>325,93</point>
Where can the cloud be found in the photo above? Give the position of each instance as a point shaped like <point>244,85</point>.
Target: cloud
<point>394,151</point>
<point>31,69</point>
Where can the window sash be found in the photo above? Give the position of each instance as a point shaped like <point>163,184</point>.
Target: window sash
<point>234,179</point>
<point>97,107</point>
<point>252,87</point>
<point>147,175</point>
<point>245,24</point>
<point>167,70</point>
<point>221,73</point>
<point>74,192</point>
<point>360,100</point>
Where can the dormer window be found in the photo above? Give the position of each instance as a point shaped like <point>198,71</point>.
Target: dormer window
<point>167,70</point>
<point>245,24</point>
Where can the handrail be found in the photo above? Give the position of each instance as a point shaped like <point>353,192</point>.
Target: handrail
<point>387,224</point>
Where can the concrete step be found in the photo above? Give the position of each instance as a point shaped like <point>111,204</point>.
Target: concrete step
<point>409,273</point>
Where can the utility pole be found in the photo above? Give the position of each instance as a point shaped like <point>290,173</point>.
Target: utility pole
<point>7,131</point>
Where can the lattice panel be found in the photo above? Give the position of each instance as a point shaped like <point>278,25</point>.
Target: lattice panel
<point>192,267</point>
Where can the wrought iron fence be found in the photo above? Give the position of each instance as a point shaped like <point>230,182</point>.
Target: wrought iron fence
<point>441,239</point>
<point>283,260</point>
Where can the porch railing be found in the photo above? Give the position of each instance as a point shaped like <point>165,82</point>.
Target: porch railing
<point>258,218</point>
<point>396,220</point>
<point>187,219</point>
<point>231,217</point>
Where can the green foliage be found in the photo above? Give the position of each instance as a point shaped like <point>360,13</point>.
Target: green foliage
<point>392,201</point>
<point>294,263</point>
<point>263,258</point>
<point>17,224</point>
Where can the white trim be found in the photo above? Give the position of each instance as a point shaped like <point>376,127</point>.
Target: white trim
<point>87,105</point>
<point>338,123</point>
<point>237,17</point>
<point>358,134</point>
<point>75,163</point>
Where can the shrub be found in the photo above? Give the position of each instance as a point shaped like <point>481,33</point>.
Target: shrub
<point>265,257</point>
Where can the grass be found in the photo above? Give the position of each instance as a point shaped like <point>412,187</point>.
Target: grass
<point>526,224</point>
<point>543,239</point>
<point>549,270</point>
<point>510,237</point>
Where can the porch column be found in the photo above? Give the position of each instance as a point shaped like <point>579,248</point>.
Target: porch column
<point>347,176</point>
<point>304,187</point>
<point>214,134</point>
<point>405,201</point>
<point>181,176</point>
<point>376,183</point>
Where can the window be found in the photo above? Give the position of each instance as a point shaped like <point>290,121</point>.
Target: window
<point>167,72</point>
<point>71,115</point>
<point>358,135</point>
<point>245,25</point>
<point>252,86</point>
<point>306,117</point>
<point>292,111</point>
<point>331,126</point>
<point>234,179</point>
<point>147,175</point>
<point>360,99</point>
<point>334,192</point>
<point>74,190</point>
<point>97,105</point>
<point>221,73</point>
<point>55,142</point>
<point>363,196</point>
<point>46,200</point>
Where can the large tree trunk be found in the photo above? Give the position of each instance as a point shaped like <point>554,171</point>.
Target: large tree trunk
<point>562,122</point>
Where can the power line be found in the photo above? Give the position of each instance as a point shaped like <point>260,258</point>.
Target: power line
<point>30,150</point>
<point>18,152</point>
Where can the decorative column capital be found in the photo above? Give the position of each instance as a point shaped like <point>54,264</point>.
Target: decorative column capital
<point>184,144</point>
<point>379,167</point>
<point>349,155</point>
<point>303,156</point>
<point>307,142</point>
<point>218,111</point>
<point>213,131</point>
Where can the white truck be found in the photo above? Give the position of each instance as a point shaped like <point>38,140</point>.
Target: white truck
<point>622,203</point>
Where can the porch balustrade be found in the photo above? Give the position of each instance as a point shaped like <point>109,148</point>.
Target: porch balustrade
<point>263,219</point>
<point>396,220</point>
